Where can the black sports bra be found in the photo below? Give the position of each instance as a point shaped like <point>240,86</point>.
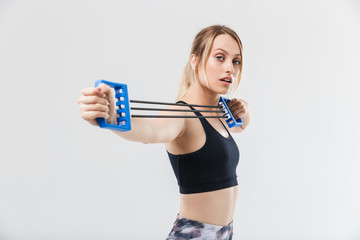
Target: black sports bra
<point>210,168</point>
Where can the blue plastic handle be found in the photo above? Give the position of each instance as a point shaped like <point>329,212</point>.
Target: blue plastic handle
<point>122,104</point>
<point>229,118</point>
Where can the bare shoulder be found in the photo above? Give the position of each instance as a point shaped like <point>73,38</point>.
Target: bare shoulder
<point>192,136</point>
<point>177,116</point>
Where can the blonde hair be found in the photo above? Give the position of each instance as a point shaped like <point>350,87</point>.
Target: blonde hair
<point>201,48</point>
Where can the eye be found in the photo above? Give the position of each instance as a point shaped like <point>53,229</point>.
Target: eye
<point>236,62</point>
<point>221,58</point>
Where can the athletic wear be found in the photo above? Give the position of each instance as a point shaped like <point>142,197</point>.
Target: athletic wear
<point>189,229</point>
<point>210,168</point>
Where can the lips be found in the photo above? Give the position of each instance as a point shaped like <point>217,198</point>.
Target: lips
<point>226,79</point>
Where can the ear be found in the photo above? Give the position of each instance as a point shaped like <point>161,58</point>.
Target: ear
<point>193,61</point>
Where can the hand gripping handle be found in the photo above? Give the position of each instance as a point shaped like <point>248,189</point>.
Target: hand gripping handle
<point>229,118</point>
<point>122,104</point>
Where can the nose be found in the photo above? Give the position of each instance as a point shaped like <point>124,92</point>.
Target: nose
<point>229,67</point>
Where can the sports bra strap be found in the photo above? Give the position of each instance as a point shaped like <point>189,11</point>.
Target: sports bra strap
<point>202,120</point>
<point>192,108</point>
<point>225,127</point>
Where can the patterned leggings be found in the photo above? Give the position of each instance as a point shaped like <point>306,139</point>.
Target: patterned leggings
<point>184,229</point>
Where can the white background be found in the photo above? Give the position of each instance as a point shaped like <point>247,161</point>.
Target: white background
<point>61,178</point>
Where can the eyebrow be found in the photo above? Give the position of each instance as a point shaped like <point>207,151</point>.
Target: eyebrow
<point>226,51</point>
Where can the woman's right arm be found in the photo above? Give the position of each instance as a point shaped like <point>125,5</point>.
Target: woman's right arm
<point>100,102</point>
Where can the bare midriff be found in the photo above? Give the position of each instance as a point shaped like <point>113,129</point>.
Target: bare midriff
<point>215,207</point>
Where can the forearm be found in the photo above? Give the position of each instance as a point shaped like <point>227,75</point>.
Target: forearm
<point>141,131</point>
<point>146,130</point>
<point>246,119</point>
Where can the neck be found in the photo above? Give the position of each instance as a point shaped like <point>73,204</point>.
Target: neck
<point>197,94</point>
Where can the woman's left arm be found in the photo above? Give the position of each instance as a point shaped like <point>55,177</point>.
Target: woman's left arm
<point>239,108</point>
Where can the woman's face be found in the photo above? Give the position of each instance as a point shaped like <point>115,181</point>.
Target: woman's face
<point>223,65</point>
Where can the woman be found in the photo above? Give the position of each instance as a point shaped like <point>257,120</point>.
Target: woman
<point>202,151</point>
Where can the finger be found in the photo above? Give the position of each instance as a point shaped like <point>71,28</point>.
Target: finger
<point>107,93</point>
<point>93,100</point>
<point>235,112</point>
<point>104,88</point>
<point>87,91</point>
<point>236,109</point>
<point>235,105</point>
<point>239,114</point>
<point>232,102</point>
<point>91,92</point>
<point>94,107</point>
<point>92,115</point>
